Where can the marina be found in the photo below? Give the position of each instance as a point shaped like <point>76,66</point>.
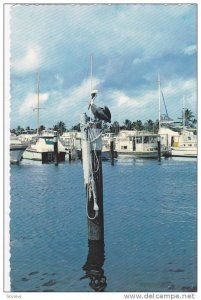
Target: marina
<point>152,221</point>
<point>102,189</point>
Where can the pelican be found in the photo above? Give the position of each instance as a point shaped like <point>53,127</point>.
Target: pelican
<point>100,113</point>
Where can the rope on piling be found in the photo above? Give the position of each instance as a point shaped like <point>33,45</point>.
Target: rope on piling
<point>91,188</point>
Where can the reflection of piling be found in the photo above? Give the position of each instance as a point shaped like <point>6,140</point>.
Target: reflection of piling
<point>112,152</point>
<point>94,264</point>
<point>159,148</point>
<point>56,156</point>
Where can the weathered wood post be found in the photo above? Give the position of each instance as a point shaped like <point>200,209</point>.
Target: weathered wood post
<point>112,152</point>
<point>56,156</point>
<point>159,148</point>
<point>92,167</point>
<point>69,155</point>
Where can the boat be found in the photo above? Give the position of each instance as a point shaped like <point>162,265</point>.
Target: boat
<point>176,137</point>
<point>136,144</point>
<point>71,140</point>
<point>185,144</point>
<point>107,138</point>
<point>16,149</point>
<point>42,149</point>
<point>26,137</point>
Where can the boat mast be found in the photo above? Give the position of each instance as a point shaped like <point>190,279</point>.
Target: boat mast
<point>91,72</point>
<point>183,114</point>
<point>38,101</point>
<point>159,102</point>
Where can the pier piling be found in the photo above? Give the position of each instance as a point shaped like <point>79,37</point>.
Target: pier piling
<point>56,156</point>
<point>159,148</point>
<point>112,152</point>
<point>92,167</point>
<point>70,155</point>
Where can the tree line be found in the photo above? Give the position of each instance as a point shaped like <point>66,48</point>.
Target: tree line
<point>115,127</point>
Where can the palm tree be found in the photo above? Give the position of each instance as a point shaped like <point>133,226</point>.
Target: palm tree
<point>148,125</point>
<point>60,127</point>
<point>139,126</point>
<point>76,127</point>
<point>41,128</point>
<point>127,124</point>
<point>188,115</point>
<point>114,127</point>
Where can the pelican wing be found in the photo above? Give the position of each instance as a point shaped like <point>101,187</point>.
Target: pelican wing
<point>107,112</point>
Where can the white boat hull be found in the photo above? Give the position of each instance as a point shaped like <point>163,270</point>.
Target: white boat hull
<point>34,155</point>
<point>148,154</point>
<point>184,152</point>
<point>16,154</point>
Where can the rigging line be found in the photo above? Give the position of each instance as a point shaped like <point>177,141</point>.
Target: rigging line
<point>164,104</point>
<point>95,155</point>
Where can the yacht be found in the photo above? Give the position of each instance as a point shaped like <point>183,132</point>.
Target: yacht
<point>71,140</point>
<point>185,144</point>
<point>42,149</point>
<point>16,149</point>
<point>136,144</point>
<point>107,138</point>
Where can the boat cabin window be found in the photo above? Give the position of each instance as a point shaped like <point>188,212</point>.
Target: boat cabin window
<point>145,139</point>
<point>123,147</point>
<point>139,140</point>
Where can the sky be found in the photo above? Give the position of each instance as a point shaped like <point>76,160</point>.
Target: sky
<point>130,44</point>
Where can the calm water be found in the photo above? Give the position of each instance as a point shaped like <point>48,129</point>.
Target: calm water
<point>150,226</point>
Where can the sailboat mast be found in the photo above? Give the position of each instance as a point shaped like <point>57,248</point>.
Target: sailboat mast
<point>183,114</point>
<point>38,101</point>
<point>91,70</point>
<point>159,102</point>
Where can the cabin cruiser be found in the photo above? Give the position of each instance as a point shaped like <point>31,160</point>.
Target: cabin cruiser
<point>16,149</point>
<point>136,144</point>
<point>42,149</point>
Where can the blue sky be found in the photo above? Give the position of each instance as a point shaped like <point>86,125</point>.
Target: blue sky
<point>130,44</point>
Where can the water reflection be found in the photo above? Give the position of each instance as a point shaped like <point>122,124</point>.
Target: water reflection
<point>94,264</point>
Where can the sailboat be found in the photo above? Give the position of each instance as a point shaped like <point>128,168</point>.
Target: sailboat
<point>179,141</point>
<point>42,149</point>
<point>185,144</point>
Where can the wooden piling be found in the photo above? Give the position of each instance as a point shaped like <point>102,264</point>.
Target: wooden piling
<point>159,149</point>
<point>112,152</point>
<point>69,155</point>
<point>56,156</point>
<point>91,152</point>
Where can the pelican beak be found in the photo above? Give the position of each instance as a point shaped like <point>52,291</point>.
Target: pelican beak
<point>89,105</point>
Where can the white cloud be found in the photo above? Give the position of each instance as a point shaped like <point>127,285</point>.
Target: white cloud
<point>190,50</point>
<point>137,61</point>
<point>59,80</point>
<point>31,102</point>
<point>78,96</point>
<point>30,62</point>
